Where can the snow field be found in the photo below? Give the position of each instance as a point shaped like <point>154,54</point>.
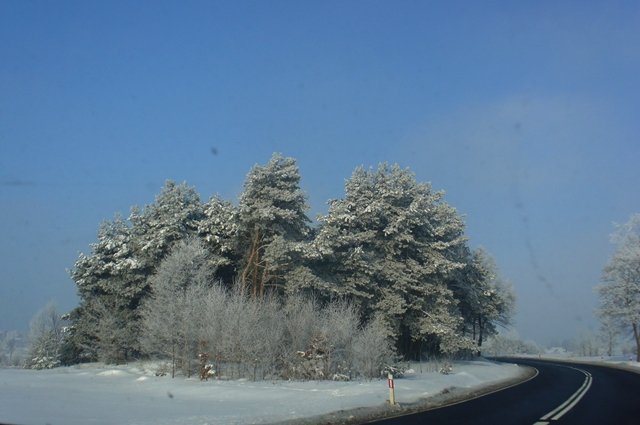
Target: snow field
<point>131,394</point>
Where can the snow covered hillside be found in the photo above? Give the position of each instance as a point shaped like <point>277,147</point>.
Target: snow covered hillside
<point>132,394</point>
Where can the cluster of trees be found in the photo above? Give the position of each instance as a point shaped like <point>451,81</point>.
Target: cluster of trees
<point>501,345</point>
<point>620,289</point>
<point>390,254</point>
<point>12,347</point>
<point>588,343</point>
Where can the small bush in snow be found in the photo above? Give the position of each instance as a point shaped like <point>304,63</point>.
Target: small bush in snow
<point>447,368</point>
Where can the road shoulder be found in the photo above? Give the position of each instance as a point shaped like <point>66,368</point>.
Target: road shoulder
<point>446,397</point>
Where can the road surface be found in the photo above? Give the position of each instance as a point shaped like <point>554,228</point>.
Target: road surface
<point>560,394</point>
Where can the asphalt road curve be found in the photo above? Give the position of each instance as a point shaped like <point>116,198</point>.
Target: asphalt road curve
<point>560,394</point>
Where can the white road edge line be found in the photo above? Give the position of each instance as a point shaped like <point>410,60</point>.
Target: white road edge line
<point>561,410</point>
<point>535,375</point>
<point>486,394</point>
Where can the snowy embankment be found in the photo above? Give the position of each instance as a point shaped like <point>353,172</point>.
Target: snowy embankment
<point>132,394</point>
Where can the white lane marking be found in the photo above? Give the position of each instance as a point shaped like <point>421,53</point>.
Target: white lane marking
<point>577,399</point>
<point>561,410</point>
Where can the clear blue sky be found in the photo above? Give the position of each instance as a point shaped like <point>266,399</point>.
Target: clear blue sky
<point>525,113</point>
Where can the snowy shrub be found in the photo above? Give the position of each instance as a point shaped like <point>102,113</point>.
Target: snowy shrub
<point>300,321</point>
<point>320,340</point>
<point>447,368</point>
<point>372,350</point>
<point>173,314</point>
<point>163,369</point>
<point>340,325</point>
<point>251,334</point>
<point>396,370</point>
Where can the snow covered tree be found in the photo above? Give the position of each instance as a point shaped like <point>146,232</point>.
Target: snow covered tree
<point>175,214</point>
<point>485,300</point>
<point>272,220</point>
<point>46,339</point>
<point>389,246</point>
<point>218,228</point>
<point>114,279</point>
<point>500,345</point>
<point>609,333</point>
<point>169,315</point>
<point>11,347</point>
<point>620,288</point>
<point>587,344</point>
<point>112,275</point>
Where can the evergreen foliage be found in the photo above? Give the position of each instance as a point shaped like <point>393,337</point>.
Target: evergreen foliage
<point>111,281</point>
<point>272,220</point>
<point>485,300</point>
<point>389,246</point>
<point>254,284</point>
<point>114,279</point>
<point>218,229</point>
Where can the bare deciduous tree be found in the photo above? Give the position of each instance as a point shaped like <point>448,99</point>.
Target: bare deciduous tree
<point>170,315</point>
<point>620,290</point>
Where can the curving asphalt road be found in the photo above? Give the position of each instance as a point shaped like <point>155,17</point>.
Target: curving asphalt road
<point>560,394</point>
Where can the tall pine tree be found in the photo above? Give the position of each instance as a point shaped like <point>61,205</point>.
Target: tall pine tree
<point>485,299</point>
<point>272,220</point>
<point>388,246</point>
<point>114,279</point>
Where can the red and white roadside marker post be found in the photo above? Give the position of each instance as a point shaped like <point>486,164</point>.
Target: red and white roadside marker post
<point>392,390</point>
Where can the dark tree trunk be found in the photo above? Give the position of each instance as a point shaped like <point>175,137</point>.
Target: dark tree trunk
<point>173,360</point>
<point>636,335</point>
<point>480,336</point>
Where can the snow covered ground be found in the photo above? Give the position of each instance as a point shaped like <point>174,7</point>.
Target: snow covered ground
<point>132,394</point>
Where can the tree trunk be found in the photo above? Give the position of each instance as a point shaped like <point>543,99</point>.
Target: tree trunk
<point>252,268</point>
<point>636,335</point>
<point>264,278</point>
<point>611,342</point>
<point>173,360</point>
<point>480,326</point>
<point>254,278</point>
